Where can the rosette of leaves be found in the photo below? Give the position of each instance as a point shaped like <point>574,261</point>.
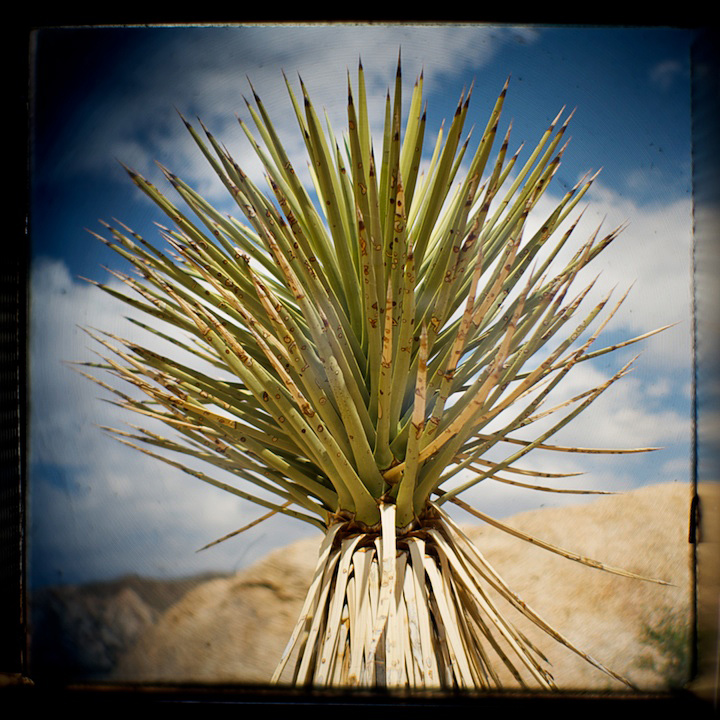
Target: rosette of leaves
<point>363,348</point>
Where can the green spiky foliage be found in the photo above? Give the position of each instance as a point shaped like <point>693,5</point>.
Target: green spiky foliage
<point>362,338</point>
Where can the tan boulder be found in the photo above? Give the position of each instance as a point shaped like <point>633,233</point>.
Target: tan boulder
<point>234,630</point>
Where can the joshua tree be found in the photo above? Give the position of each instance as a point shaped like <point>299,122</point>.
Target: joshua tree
<point>365,338</point>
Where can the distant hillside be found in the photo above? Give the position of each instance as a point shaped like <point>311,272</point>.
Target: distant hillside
<point>78,632</point>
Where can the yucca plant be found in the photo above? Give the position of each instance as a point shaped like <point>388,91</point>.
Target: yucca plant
<point>370,342</point>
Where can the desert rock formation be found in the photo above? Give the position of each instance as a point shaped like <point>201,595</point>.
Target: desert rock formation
<point>234,629</point>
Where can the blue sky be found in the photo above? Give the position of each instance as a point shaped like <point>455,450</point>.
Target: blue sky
<point>102,96</point>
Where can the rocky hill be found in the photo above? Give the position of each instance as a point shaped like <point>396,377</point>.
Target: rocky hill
<point>79,632</point>
<point>233,629</point>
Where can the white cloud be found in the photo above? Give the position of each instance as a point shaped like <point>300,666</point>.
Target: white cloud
<point>207,72</point>
<point>651,257</point>
<point>665,73</point>
<point>118,501</point>
<point>109,509</point>
<point>641,410</point>
<point>99,508</point>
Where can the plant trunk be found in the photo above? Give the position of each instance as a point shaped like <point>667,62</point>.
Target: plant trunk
<point>408,610</point>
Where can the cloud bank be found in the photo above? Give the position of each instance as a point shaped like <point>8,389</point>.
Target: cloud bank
<point>100,509</point>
